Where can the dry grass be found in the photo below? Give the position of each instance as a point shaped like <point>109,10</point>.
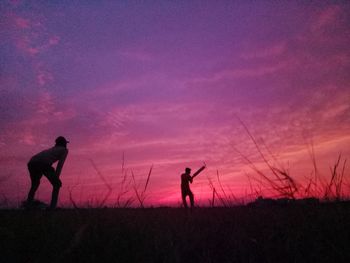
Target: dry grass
<point>278,180</point>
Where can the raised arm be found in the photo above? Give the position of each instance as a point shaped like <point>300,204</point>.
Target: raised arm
<point>198,171</point>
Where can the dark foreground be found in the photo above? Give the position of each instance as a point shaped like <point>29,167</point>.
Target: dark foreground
<point>316,233</point>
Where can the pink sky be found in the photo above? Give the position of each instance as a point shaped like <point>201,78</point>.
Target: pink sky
<point>162,84</point>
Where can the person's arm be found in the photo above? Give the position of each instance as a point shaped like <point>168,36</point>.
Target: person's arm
<point>198,171</point>
<point>61,162</point>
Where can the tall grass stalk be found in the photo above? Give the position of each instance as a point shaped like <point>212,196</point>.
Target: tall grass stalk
<point>107,185</point>
<point>283,183</point>
<point>141,196</point>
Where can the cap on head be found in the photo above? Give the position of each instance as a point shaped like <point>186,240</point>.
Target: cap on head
<point>188,170</point>
<point>61,141</point>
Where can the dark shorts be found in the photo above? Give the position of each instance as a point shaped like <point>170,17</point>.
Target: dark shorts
<point>37,170</point>
<point>186,191</point>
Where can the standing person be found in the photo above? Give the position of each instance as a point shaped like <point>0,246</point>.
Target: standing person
<point>41,164</point>
<point>186,179</point>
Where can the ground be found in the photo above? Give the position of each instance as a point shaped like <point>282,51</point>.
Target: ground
<point>291,233</point>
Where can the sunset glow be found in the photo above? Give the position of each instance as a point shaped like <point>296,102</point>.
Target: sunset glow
<point>171,84</point>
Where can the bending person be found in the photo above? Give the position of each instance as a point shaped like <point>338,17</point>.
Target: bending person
<point>41,164</point>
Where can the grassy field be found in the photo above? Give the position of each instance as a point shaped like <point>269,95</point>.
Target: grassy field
<point>308,233</point>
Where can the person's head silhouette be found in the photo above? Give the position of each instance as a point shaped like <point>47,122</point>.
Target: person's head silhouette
<point>188,170</point>
<point>61,141</point>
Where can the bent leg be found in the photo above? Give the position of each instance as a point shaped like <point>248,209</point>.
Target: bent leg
<point>54,197</point>
<point>184,199</point>
<point>33,188</point>
<point>191,199</point>
<point>35,176</point>
<point>56,184</point>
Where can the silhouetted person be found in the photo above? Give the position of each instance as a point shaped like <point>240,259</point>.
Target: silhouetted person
<point>186,179</point>
<point>41,164</point>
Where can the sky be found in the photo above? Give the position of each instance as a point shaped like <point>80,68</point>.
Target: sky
<point>165,85</point>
